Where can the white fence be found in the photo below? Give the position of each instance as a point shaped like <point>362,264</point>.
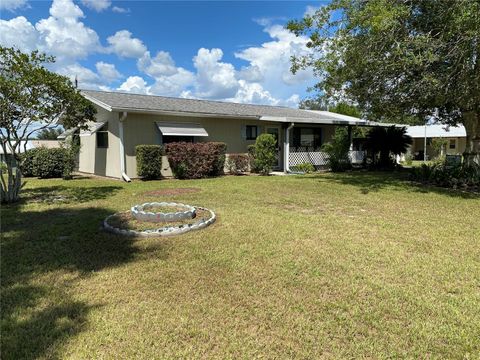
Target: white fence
<point>319,158</point>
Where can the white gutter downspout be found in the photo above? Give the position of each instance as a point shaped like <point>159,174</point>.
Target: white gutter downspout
<point>286,145</point>
<point>122,118</point>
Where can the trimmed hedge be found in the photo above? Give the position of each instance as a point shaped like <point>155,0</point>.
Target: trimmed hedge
<point>251,159</point>
<point>237,163</point>
<point>28,166</point>
<point>265,153</point>
<point>149,161</point>
<point>53,163</point>
<point>196,160</point>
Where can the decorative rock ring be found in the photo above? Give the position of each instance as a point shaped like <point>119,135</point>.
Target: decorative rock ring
<point>141,213</point>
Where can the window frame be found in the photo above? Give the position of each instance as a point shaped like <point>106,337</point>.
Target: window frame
<point>454,142</point>
<point>104,132</point>
<point>249,136</point>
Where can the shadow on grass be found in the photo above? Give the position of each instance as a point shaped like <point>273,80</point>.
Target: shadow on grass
<point>374,181</point>
<point>43,254</point>
<point>64,194</point>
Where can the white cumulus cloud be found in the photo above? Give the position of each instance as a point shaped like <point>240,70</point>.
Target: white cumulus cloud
<point>134,84</point>
<point>12,5</point>
<point>122,44</point>
<point>107,71</point>
<point>97,5</point>
<point>18,32</point>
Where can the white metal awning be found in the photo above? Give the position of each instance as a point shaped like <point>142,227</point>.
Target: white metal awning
<point>92,128</point>
<point>181,129</point>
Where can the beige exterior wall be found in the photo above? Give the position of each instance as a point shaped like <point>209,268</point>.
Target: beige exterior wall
<point>101,161</point>
<point>141,129</point>
<point>460,144</point>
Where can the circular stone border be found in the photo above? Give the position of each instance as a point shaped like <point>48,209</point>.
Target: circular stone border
<point>140,214</point>
<point>163,231</point>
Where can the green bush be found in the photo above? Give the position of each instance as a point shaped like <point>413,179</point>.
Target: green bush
<point>196,160</point>
<point>237,163</point>
<point>408,159</point>
<point>251,159</point>
<point>51,163</point>
<point>149,161</point>
<point>304,167</point>
<point>440,174</point>
<point>28,159</point>
<point>265,153</point>
<point>337,151</point>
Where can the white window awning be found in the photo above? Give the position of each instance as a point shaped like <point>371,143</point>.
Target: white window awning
<point>92,128</point>
<point>181,129</point>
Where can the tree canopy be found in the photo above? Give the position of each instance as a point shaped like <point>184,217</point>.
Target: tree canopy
<point>32,99</point>
<point>399,59</point>
<point>49,134</point>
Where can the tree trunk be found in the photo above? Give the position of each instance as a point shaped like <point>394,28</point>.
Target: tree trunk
<point>11,192</point>
<point>471,121</point>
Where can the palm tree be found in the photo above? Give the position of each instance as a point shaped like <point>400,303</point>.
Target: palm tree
<point>386,142</point>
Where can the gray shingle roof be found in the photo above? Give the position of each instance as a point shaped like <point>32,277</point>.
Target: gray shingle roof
<point>118,101</point>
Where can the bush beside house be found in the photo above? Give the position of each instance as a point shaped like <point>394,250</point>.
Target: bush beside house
<point>265,153</point>
<point>149,161</point>
<point>237,163</point>
<point>196,160</point>
<point>48,163</point>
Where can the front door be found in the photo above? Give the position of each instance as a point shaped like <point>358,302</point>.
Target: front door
<point>275,131</point>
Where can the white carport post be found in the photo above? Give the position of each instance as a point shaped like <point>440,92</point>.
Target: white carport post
<point>286,148</point>
<point>123,174</point>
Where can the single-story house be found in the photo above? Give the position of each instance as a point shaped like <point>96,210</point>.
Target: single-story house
<point>125,120</point>
<point>455,136</point>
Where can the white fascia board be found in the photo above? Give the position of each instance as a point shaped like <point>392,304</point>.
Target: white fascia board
<point>97,102</point>
<point>183,113</point>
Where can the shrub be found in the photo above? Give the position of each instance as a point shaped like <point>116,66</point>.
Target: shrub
<point>337,151</point>
<point>27,164</point>
<point>251,159</point>
<point>265,153</point>
<point>196,160</point>
<point>408,159</point>
<point>304,167</point>
<point>50,163</point>
<point>440,174</point>
<point>149,161</point>
<point>237,163</point>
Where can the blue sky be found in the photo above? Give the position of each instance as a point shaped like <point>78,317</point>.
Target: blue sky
<point>222,50</point>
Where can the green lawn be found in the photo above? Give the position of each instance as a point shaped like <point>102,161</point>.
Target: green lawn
<point>357,265</point>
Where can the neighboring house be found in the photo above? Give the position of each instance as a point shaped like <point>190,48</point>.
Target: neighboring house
<point>455,137</point>
<point>124,121</point>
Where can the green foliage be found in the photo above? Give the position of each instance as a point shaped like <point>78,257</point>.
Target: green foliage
<point>408,159</point>
<point>251,159</point>
<point>345,109</point>
<point>304,168</point>
<point>439,145</point>
<point>52,163</point>
<point>32,99</point>
<point>237,163</point>
<point>149,161</point>
<point>265,153</point>
<point>383,142</point>
<point>28,162</point>
<point>49,134</point>
<point>196,160</point>
<point>440,174</point>
<point>398,60</point>
<point>337,151</point>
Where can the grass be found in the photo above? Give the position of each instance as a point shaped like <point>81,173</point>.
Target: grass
<point>356,265</point>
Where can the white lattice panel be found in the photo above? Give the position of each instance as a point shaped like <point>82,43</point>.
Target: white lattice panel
<point>316,158</point>
<point>356,157</point>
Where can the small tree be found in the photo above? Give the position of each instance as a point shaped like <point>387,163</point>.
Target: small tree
<point>32,99</point>
<point>49,134</point>
<point>337,151</point>
<point>439,146</point>
<point>383,142</point>
<point>265,153</point>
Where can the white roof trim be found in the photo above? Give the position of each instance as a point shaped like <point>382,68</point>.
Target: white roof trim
<point>437,131</point>
<point>181,129</point>
<point>92,128</point>
<point>97,102</point>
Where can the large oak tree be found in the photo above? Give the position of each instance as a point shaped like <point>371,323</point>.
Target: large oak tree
<point>399,58</point>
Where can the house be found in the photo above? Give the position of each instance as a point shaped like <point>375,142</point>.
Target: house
<point>455,137</point>
<point>125,120</point>
<point>30,144</point>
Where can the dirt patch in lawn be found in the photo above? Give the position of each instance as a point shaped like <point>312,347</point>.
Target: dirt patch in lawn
<point>171,192</point>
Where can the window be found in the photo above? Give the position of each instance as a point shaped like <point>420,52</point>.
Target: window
<point>170,139</point>
<point>452,144</point>
<point>102,137</point>
<point>251,132</point>
<point>307,137</point>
